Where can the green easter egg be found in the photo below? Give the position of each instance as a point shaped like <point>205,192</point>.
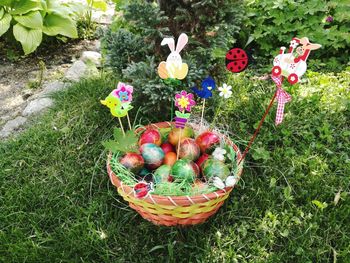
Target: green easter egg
<point>161,174</point>
<point>184,170</point>
<point>213,167</point>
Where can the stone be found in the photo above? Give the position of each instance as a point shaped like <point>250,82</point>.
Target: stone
<point>27,93</point>
<point>91,56</point>
<point>52,87</point>
<point>76,71</point>
<point>37,106</point>
<point>12,126</point>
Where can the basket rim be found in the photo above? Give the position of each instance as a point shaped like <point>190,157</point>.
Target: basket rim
<point>153,198</point>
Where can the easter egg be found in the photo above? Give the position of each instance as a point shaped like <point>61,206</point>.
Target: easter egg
<point>150,136</point>
<point>170,158</point>
<point>162,174</point>
<point>236,60</point>
<point>201,160</point>
<point>207,141</point>
<point>144,172</point>
<point>174,135</point>
<point>184,170</point>
<point>212,168</point>
<point>152,154</point>
<point>189,149</point>
<point>133,162</point>
<point>167,147</point>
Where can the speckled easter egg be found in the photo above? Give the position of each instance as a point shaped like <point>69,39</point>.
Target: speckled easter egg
<point>174,135</point>
<point>152,154</point>
<point>162,174</point>
<point>133,162</point>
<point>150,136</point>
<point>212,167</point>
<point>184,170</point>
<point>189,149</point>
<point>170,158</point>
<point>167,147</point>
<point>207,141</point>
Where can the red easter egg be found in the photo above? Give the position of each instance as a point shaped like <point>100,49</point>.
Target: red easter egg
<point>170,158</point>
<point>201,160</point>
<point>133,162</point>
<point>189,149</point>
<point>151,136</point>
<point>167,147</point>
<point>236,60</point>
<point>207,141</point>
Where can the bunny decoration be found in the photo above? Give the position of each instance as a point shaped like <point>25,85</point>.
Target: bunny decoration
<point>173,67</point>
<point>293,67</point>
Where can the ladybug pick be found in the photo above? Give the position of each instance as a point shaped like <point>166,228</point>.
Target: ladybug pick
<point>236,60</point>
<point>142,189</point>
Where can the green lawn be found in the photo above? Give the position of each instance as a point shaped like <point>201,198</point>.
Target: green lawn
<point>57,204</point>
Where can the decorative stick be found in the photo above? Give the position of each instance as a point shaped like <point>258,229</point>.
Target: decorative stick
<point>258,128</point>
<point>179,144</point>
<point>127,116</point>
<point>208,85</point>
<point>121,125</point>
<point>184,101</point>
<point>203,106</point>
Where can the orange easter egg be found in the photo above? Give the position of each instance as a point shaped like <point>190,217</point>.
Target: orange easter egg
<point>162,72</point>
<point>170,158</point>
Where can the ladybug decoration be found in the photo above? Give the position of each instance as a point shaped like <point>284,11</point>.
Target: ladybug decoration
<point>236,60</point>
<point>142,189</point>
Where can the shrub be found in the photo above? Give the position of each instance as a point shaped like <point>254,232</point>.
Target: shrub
<point>30,19</point>
<point>272,24</point>
<point>123,47</point>
<point>132,44</point>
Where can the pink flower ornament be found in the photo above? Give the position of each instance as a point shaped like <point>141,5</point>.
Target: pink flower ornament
<point>123,92</point>
<point>184,101</point>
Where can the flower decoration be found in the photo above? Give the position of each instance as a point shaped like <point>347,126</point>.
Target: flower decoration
<point>208,85</point>
<point>219,154</point>
<point>225,91</point>
<point>184,101</point>
<point>329,19</point>
<point>230,181</point>
<point>123,92</point>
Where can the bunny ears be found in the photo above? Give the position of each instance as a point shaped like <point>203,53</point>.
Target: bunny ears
<point>181,43</point>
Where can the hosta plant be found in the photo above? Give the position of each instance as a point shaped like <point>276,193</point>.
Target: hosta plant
<point>30,19</point>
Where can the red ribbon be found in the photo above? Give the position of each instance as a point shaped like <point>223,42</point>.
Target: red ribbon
<point>282,98</point>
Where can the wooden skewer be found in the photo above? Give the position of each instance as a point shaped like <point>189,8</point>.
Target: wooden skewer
<point>178,145</point>
<point>127,116</point>
<point>203,106</point>
<point>121,126</point>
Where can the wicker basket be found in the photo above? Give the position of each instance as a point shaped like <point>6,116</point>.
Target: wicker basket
<point>173,210</point>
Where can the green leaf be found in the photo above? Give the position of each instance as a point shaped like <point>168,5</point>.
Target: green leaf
<point>5,23</point>
<point>319,204</point>
<point>24,6</point>
<point>2,12</point>
<point>121,143</point>
<point>57,25</point>
<point>29,38</point>
<point>99,4</point>
<point>261,153</point>
<point>32,20</point>
<point>6,2</point>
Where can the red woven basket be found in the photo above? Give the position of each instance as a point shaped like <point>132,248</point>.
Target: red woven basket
<point>174,210</point>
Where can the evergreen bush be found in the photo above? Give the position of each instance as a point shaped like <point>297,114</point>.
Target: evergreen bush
<point>132,45</point>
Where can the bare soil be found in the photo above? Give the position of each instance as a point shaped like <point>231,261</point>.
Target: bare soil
<point>16,76</point>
